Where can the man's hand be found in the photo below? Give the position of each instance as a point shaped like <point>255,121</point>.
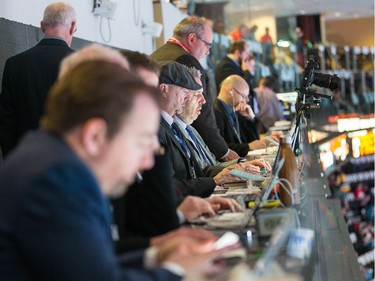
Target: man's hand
<point>245,110</point>
<point>220,203</point>
<point>231,156</point>
<point>257,144</point>
<point>198,234</point>
<point>225,176</point>
<point>192,207</point>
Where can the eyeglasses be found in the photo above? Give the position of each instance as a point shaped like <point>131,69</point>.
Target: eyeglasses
<point>208,45</point>
<point>242,95</point>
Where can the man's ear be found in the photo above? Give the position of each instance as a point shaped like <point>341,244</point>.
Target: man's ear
<point>42,26</point>
<point>191,38</point>
<point>72,29</point>
<point>94,136</point>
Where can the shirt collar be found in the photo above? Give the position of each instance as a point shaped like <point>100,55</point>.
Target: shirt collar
<point>167,117</point>
<point>181,123</point>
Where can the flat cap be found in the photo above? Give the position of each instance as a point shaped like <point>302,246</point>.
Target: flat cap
<point>174,73</point>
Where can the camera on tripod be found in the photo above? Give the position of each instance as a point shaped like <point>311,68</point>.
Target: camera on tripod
<point>310,76</point>
<point>306,99</point>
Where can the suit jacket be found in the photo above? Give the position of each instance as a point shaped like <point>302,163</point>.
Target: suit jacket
<point>227,131</point>
<point>226,67</point>
<point>205,124</point>
<point>54,220</point>
<point>148,208</point>
<point>184,183</point>
<point>27,79</point>
<point>216,166</point>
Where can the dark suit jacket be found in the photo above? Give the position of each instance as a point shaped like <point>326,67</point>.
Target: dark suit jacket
<point>185,185</point>
<point>205,124</point>
<point>27,79</point>
<point>227,131</point>
<point>54,220</point>
<point>148,208</point>
<point>226,67</point>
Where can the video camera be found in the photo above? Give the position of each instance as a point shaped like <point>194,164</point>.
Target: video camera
<point>306,99</point>
<point>310,76</point>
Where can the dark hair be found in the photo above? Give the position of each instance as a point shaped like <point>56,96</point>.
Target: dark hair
<point>268,82</point>
<point>93,89</point>
<point>140,60</point>
<point>238,45</point>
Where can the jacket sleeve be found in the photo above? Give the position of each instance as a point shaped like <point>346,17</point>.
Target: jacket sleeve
<point>8,137</point>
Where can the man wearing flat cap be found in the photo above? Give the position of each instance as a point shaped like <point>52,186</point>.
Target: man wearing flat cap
<point>176,84</point>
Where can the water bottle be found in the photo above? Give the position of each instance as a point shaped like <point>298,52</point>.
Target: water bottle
<point>289,172</point>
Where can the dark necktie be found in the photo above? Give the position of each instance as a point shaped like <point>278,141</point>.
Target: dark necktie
<point>182,141</point>
<point>198,146</point>
<point>235,125</point>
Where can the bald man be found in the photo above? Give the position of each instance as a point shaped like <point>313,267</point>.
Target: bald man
<point>233,100</point>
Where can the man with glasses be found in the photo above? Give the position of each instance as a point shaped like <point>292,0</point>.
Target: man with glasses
<point>231,101</point>
<point>191,41</point>
<point>29,75</point>
<point>239,61</point>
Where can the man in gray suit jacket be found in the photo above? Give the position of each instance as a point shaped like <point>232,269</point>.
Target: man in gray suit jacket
<point>28,76</point>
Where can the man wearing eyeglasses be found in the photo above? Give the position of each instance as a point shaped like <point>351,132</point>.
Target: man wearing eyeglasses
<point>233,99</point>
<point>191,41</point>
<point>29,75</point>
<point>239,61</point>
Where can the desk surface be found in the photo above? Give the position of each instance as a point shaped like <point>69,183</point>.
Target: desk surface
<point>333,257</point>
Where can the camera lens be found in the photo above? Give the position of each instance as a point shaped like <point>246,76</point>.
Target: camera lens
<point>331,82</point>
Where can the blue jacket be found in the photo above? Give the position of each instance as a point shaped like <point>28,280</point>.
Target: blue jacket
<point>54,220</point>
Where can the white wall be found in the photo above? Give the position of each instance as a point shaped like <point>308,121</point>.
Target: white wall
<point>126,25</point>
<point>171,16</point>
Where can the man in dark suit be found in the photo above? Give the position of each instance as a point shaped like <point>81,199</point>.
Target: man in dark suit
<point>192,40</point>
<point>54,218</point>
<point>28,76</point>
<point>238,61</point>
<point>231,101</point>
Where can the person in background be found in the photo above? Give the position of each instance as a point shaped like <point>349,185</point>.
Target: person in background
<point>99,125</point>
<point>270,109</point>
<point>239,33</point>
<point>28,76</point>
<point>252,31</point>
<point>300,47</point>
<point>191,41</point>
<point>268,50</point>
<point>232,100</point>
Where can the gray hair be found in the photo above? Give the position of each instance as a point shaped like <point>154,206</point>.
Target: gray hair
<point>189,25</point>
<point>195,72</point>
<point>59,13</point>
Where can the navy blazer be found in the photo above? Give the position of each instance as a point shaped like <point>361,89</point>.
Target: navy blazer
<point>27,79</point>
<point>205,123</point>
<point>227,131</point>
<point>184,183</point>
<point>54,220</point>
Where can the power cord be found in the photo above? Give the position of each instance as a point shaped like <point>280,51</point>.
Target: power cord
<point>109,30</point>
